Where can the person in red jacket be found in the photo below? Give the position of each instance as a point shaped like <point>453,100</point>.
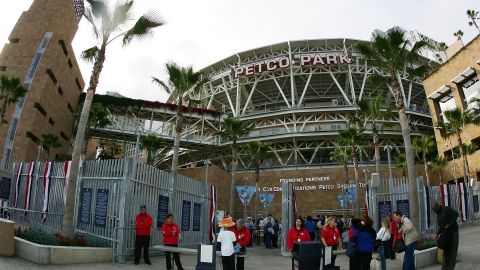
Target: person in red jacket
<point>143,224</point>
<point>395,236</point>
<point>297,234</point>
<point>330,237</point>
<point>243,239</point>
<point>171,237</point>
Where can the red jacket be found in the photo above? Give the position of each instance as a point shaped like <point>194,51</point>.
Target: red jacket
<point>143,224</point>
<point>295,235</point>
<point>170,234</point>
<point>331,235</point>
<point>243,236</point>
<point>394,230</point>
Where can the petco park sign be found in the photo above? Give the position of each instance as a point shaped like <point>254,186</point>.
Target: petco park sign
<point>282,62</point>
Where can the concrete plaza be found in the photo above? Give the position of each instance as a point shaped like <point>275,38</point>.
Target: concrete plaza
<point>261,258</point>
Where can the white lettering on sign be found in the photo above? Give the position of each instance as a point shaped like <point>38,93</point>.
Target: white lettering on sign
<point>306,179</point>
<point>308,59</point>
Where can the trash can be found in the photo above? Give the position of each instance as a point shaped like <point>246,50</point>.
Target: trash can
<point>307,255</point>
<point>7,233</point>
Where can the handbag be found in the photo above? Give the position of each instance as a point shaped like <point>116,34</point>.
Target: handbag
<point>378,243</point>
<point>400,246</point>
<point>440,254</point>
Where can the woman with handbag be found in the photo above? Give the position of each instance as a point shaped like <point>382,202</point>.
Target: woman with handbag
<point>331,238</point>
<point>383,236</point>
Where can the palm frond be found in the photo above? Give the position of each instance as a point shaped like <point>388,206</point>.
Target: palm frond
<point>162,84</point>
<point>90,54</point>
<point>99,8</point>
<point>121,13</point>
<point>89,16</point>
<point>143,27</point>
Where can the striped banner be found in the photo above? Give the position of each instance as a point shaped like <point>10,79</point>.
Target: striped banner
<point>66,171</point>
<point>213,210</point>
<point>47,180</point>
<point>462,194</point>
<point>28,186</point>
<point>427,205</point>
<point>18,179</point>
<point>367,205</point>
<point>445,191</point>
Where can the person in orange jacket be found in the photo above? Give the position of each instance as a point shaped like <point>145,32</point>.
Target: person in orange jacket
<point>243,239</point>
<point>171,237</point>
<point>143,224</point>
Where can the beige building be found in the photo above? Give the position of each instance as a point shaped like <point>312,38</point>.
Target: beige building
<point>454,84</point>
<point>40,52</point>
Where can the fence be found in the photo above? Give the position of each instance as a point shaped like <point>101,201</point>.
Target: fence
<point>108,196</point>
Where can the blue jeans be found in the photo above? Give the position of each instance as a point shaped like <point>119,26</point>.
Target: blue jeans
<point>383,259</point>
<point>409,258</point>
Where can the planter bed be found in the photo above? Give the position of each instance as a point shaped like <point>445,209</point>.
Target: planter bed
<point>44,254</point>
<point>423,258</point>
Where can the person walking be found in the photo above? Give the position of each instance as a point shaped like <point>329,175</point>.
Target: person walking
<point>448,230</point>
<point>227,239</point>
<point>410,236</point>
<point>171,237</point>
<point>330,237</point>
<point>143,224</point>
<point>310,227</point>
<point>242,235</point>
<point>384,236</point>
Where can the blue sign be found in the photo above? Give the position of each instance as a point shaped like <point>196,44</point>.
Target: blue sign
<point>404,207</point>
<point>351,194</point>
<point>5,186</point>
<point>342,199</point>
<point>384,208</point>
<point>186,210</point>
<point>475,204</point>
<point>265,199</point>
<point>101,208</point>
<point>85,205</point>
<point>197,215</point>
<point>245,193</point>
<point>162,210</point>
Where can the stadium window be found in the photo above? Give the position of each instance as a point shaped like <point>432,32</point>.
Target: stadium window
<point>70,63</point>
<point>468,85</point>
<point>70,108</point>
<point>476,142</point>
<point>63,136</point>
<point>3,68</point>
<point>32,137</point>
<point>39,107</point>
<point>64,48</point>
<point>50,120</point>
<point>80,88</point>
<point>60,91</point>
<point>52,76</point>
<point>446,103</point>
<point>335,126</point>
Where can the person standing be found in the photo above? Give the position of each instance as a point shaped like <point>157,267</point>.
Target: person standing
<point>353,233</point>
<point>276,232</point>
<point>268,232</point>
<point>395,236</point>
<point>310,227</point>
<point>297,234</point>
<point>227,239</point>
<point>250,227</point>
<point>384,236</point>
<point>447,224</point>
<point>242,235</point>
<point>410,236</point>
<point>143,224</point>
<point>171,237</point>
<point>331,238</point>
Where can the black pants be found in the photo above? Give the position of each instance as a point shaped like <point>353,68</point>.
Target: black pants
<point>176,258</point>
<point>240,263</point>
<point>251,238</point>
<point>364,259</point>
<point>275,240</point>
<point>142,242</point>
<point>228,262</point>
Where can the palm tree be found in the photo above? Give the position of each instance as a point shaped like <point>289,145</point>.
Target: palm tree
<point>458,34</point>
<point>182,81</point>
<point>455,122</point>
<point>437,165</point>
<point>257,152</point>
<point>352,137</point>
<point>442,46</point>
<point>150,143</point>
<point>400,162</point>
<point>233,130</point>
<point>424,145</point>
<point>372,111</point>
<point>389,53</point>
<point>50,141</point>
<point>473,17</point>
<point>468,149</point>
<point>110,150</point>
<point>342,155</point>
<point>107,25</point>
<point>11,90</point>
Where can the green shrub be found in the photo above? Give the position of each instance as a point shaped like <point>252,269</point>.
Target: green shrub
<point>56,239</point>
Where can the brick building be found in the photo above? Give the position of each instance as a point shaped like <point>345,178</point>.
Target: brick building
<point>40,52</point>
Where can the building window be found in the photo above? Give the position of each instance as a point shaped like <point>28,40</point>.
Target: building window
<point>39,107</point>
<point>33,137</point>
<point>336,126</point>
<point>476,142</point>
<point>80,88</point>
<point>52,76</point>
<point>50,120</point>
<point>64,48</point>
<point>468,85</point>
<point>70,107</point>
<point>60,91</point>
<point>70,63</point>
<point>14,40</point>
<point>63,136</point>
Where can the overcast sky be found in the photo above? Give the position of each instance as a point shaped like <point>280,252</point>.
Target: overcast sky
<point>200,33</point>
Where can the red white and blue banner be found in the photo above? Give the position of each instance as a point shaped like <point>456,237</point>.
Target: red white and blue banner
<point>213,210</point>
<point>445,191</point>
<point>367,204</point>
<point>47,180</point>
<point>66,171</point>
<point>463,201</point>
<point>18,180</point>
<point>28,185</point>
<point>426,197</point>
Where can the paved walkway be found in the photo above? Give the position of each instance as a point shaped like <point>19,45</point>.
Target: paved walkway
<point>261,258</point>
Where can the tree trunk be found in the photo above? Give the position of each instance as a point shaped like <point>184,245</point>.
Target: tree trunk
<point>345,175</point>
<point>425,164</point>
<point>176,143</point>
<point>376,143</point>
<point>234,175</point>
<point>441,176</point>
<point>357,187</point>
<point>464,159</point>
<point>67,225</point>
<point>257,177</point>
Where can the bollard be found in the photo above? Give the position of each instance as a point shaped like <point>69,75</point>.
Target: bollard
<point>7,234</point>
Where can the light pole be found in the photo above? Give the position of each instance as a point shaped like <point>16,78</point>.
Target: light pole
<point>388,148</point>
<point>245,196</point>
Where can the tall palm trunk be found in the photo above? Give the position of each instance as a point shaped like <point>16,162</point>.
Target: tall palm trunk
<point>355,169</point>
<point>440,176</point>
<point>257,178</point>
<point>425,164</point>
<point>234,174</point>
<point>376,143</point>
<point>412,183</point>
<point>67,225</point>
<point>464,158</point>
<point>178,134</point>
<point>345,175</point>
